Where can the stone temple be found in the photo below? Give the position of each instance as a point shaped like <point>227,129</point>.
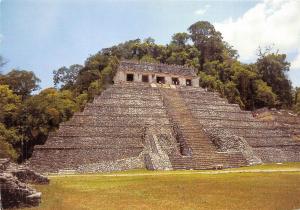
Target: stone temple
<point>156,116</point>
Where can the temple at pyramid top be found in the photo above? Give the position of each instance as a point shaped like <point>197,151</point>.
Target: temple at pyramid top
<point>133,71</point>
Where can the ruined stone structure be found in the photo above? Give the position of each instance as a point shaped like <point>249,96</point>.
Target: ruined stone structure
<point>157,117</point>
<point>14,189</point>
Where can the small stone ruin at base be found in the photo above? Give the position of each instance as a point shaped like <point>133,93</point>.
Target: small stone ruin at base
<point>15,188</point>
<point>156,116</point>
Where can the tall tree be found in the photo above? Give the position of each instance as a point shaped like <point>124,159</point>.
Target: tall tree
<point>21,82</point>
<point>180,39</point>
<point>273,69</point>
<point>66,77</point>
<point>207,40</point>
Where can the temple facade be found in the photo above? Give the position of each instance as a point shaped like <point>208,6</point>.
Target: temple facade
<point>130,71</point>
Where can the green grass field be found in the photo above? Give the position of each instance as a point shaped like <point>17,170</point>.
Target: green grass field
<point>176,190</point>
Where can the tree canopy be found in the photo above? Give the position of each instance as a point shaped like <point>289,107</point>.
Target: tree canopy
<point>21,82</point>
<point>66,77</point>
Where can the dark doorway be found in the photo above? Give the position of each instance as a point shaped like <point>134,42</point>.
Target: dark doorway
<point>160,80</point>
<point>188,82</point>
<point>129,77</point>
<point>175,81</point>
<point>145,78</point>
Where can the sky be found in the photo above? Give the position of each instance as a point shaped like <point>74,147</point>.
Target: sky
<point>44,35</point>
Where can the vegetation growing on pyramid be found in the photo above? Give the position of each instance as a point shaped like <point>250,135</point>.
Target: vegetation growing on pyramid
<point>30,117</point>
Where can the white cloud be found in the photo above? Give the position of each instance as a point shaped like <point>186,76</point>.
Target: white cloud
<point>270,22</point>
<point>203,10</point>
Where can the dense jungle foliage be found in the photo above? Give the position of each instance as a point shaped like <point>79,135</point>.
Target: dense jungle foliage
<point>27,118</point>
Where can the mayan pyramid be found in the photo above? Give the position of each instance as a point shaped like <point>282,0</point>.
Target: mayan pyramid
<point>156,116</point>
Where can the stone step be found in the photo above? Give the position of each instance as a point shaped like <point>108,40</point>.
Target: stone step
<point>123,115</point>
<point>137,90</point>
<point>88,147</point>
<point>117,120</point>
<point>133,85</point>
<point>126,111</point>
<point>127,97</point>
<point>130,92</point>
<point>203,97</point>
<point>114,123</point>
<point>127,102</point>
<point>218,118</point>
<point>213,112</point>
<point>196,101</point>
<point>225,115</point>
<point>201,107</point>
<point>197,92</point>
<point>87,131</point>
<point>110,108</point>
<point>213,122</point>
<point>248,130</point>
<point>92,141</point>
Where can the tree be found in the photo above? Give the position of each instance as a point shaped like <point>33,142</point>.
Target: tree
<point>66,77</point>
<point>211,83</point>
<point>9,104</point>
<point>43,113</point>
<point>207,40</point>
<point>21,82</point>
<point>232,94</point>
<point>243,76</point>
<point>8,139</point>
<point>229,52</point>
<point>273,69</point>
<point>105,78</point>
<point>264,96</point>
<point>81,100</point>
<point>149,40</point>
<point>180,39</point>
<point>178,58</point>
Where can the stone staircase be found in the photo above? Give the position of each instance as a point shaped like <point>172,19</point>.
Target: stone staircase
<point>196,150</point>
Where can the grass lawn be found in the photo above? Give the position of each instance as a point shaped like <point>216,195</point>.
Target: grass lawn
<point>172,190</point>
